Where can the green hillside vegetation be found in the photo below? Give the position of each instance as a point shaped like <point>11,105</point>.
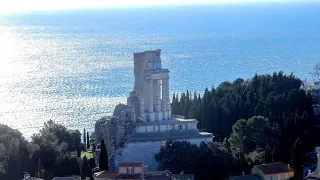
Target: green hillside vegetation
<point>259,120</point>
<point>51,152</point>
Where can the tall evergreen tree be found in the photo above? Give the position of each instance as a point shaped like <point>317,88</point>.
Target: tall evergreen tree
<point>84,136</point>
<point>85,167</point>
<point>103,159</point>
<point>296,159</point>
<point>39,169</point>
<point>88,141</point>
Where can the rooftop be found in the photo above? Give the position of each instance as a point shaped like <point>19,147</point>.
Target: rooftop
<point>273,168</point>
<point>106,174</point>
<point>246,177</point>
<point>116,175</point>
<point>67,178</point>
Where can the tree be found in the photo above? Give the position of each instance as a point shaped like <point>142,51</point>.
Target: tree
<point>92,166</point>
<point>15,154</point>
<point>39,170</point>
<point>296,159</point>
<point>85,167</point>
<point>56,144</point>
<point>177,156</point>
<point>316,71</point>
<point>266,95</point>
<point>88,141</point>
<point>249,135</point>
<point>84,135</point>
<point>103,159</point>
<point>203,161</point>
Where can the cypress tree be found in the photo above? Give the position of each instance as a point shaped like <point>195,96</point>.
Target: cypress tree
<point>103,159</point>
<point>296,158</point>
<point>85,167</point>
<point>88,141</point>
<point>84,136</point>
<point>39,170</point>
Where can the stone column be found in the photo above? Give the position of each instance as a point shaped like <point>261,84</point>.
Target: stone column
<point>168,109</point>
<point>165,98</point>
<point>158,100</point>
<point>163,102</point>
<point>142,110</point>
<point>151,113</point>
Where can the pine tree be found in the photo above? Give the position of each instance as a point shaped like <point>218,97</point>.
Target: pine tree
<point>103,159</point>
<point>84,136</point>
<point>88,141</point>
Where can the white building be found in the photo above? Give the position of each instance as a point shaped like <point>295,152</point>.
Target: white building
<point>137,130</point>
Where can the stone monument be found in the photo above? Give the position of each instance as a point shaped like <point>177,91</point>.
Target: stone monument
<point>135,131</point>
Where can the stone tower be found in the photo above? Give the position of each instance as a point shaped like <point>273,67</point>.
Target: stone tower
<point>151,86</point>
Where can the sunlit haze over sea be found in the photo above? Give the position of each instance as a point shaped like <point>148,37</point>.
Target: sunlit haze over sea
<point>74,66</point>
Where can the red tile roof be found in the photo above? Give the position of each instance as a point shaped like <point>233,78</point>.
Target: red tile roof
<point>130,164</point>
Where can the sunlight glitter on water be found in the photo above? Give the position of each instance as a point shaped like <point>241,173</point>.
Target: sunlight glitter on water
<point>74,66</point>
<point>43,79</point>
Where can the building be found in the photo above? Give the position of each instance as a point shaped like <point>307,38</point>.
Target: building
<point>138,171</point>
<point>136,130</point>
<point>316,174</point>
<point>126,171</point>
<point>273,171</point>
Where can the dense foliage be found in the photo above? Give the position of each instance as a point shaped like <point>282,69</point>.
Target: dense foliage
<point>103,158</point>
<point>15,154</point>
<point>205,161</point>
<point>272,96</point>
<point>51,152</point>
<point>267,118</point>
<point>56,150</point>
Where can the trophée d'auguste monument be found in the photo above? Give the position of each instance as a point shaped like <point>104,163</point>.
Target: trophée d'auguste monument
<point>136,131</point>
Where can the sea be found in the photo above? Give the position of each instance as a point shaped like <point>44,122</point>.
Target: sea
<point>74,66</point>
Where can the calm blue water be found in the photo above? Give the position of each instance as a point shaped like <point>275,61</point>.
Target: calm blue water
<point>75,66</point>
